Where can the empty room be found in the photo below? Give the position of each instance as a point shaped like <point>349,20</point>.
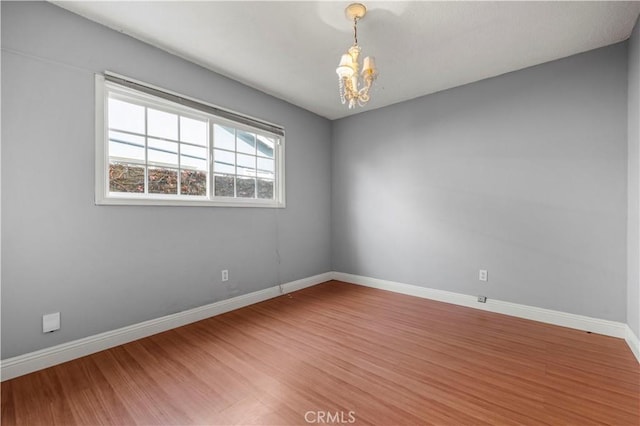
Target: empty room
<point>320,212</point>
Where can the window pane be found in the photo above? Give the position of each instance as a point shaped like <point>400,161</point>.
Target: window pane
<point>246,165</point>
<point>225,162</point>
<point>193,182</point>
<point>162,152</point>
<point>224,186</point>
<point>126,177</point>
<point>246,142</point>
<point>193,131</point>
<point>266,168</point>
<point>123,145</point>
<point>224,137</point>
<point>193,157</point>
<point>163,181</point>
<point>126,116</point>
<point>162,124</point>
<point>265,189</point>
<point>265,146</point>
<point>246,187</point>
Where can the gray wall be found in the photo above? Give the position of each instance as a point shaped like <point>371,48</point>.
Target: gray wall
<point>633,220</point>
<point>523,174</point>
<point>109,266</point>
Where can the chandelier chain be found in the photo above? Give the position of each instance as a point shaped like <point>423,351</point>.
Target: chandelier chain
<point>355,31</point>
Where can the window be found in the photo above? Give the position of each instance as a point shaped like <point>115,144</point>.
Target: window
<point>154,147</point>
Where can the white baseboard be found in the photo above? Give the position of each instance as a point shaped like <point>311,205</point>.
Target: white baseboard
<point>580,322</point>
<point>633,342</point>
<point>38,360</point>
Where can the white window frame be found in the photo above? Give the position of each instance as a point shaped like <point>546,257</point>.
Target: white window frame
<point>103,196</point>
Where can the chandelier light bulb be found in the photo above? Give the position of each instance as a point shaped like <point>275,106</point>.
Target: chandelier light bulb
<point>354,88</point>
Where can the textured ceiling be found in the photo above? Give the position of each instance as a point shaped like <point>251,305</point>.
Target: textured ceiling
<point>291,49</point>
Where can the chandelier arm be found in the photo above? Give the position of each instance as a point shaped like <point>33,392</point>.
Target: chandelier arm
<point>363,94</point>
<point>368,83</point>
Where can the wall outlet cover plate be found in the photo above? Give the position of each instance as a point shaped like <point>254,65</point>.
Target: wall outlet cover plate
<point>51,322</point>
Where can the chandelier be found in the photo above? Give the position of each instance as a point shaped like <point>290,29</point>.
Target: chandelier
<point>354,88</point>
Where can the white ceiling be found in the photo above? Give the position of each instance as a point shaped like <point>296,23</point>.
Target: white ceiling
<point>291,49</point>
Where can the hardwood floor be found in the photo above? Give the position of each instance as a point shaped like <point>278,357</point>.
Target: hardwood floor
<point>342,353</point>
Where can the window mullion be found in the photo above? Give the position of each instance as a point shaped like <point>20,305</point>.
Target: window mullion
<point>146,153</point>
<point>235,165</point>
<point>179,178</point>
<point>212,160</point>
<point>255,172</point>
<point>277,171</point>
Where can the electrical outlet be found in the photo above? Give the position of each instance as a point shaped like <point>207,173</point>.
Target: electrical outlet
<point>51,322</point>
<point>225,275</point>
<point>483,275</point>
<point>482,299</point>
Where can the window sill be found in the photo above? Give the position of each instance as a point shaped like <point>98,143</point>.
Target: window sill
<point>200,202</point>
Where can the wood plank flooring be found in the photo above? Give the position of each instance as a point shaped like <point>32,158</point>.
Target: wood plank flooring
<point>337,353</point>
